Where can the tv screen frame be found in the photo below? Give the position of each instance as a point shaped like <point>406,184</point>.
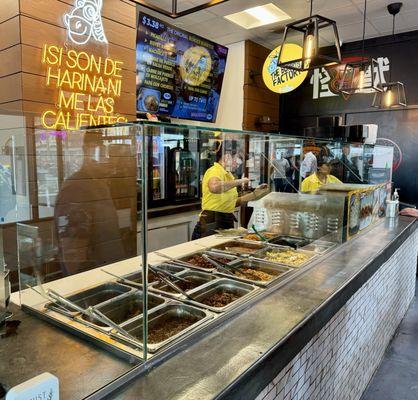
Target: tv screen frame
<point>179,74</point>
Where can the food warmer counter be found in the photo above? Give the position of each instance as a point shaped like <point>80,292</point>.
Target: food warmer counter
<point>217,278</point>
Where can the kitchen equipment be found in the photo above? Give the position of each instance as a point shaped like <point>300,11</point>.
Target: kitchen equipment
<point>239,247</point>
<point>276,272</point>
<point>392,208</point>
<point>291,241</point>
<point>237,292</point>
<point>4,285</point>
<point>91,312</point>
<point>123,280</point>
<point>262,238</point>
<point>136,277</point>
<point>166,279</point>
<point>173,260</point>
<point>289,257</point>
<point>162,328</point>
<point>193,278</point>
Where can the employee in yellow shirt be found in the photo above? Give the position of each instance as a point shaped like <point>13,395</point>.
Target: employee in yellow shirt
<point>220,196</point>
<point>319,178</point>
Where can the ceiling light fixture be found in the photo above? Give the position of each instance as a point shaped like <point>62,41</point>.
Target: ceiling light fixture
<point>360,76</point>
<point>258,16</point>
<point>393,93</point>
<point>174,13</point>
<point>311,56</point>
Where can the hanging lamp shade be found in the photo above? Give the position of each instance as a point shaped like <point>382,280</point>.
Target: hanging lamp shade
<point>312,57</point>
<point>360,77</point>
<point>392,95</point>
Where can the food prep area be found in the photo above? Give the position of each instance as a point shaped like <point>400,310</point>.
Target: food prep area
<point>192,337</point>
<point>186,291</point>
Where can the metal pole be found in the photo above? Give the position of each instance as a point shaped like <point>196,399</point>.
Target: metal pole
<point>144,237</point>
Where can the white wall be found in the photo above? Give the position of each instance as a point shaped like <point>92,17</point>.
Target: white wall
<point>231,106</point>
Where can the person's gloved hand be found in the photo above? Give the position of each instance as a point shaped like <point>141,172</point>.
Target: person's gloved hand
<point>409,212</point>
<point>261,191</point>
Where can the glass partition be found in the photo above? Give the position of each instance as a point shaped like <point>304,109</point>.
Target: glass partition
<point>85,254</point>
<point>71,228</point>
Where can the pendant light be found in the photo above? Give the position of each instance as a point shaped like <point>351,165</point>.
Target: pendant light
<point>393,93</point>
<point>311,55</point>
<point>354,76</point>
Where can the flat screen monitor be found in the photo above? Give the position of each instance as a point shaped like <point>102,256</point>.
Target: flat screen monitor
<point>179,74</point>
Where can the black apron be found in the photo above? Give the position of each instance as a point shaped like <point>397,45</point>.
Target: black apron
<point>211,221</point>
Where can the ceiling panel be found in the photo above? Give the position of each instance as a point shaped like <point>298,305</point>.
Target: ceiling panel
<point>410,20</point>
<point>354,31</point>
<point>347,13</point>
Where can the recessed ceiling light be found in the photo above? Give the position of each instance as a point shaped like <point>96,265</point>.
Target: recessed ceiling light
<point>258,16</point>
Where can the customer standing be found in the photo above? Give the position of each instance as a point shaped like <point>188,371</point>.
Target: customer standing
<point>280,167</point>
<point>309,165</point>
<point>220,196</point>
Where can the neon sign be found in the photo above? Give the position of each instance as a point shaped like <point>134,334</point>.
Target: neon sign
<point>85,22</point>
<point>87,85</point>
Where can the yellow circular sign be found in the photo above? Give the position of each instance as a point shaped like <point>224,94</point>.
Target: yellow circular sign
<point>195,65</point>
<point>283,80</point>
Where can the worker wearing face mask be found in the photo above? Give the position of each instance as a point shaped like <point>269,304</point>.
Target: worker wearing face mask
<point>220,196</point>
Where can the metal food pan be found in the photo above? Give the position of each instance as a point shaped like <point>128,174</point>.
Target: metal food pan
<point>263,254</point>
<point>319,247</point>
<point>278,271</point>
<point>236,247</point>
<point>216,254</point>
<point>125,308</point>
<point>267,235</point>
<point>137,276</point>
<point>99,294</point>
<point>243,290</point>
<point>284,240</point>
<point>162,316</point>
<point>195,276</point>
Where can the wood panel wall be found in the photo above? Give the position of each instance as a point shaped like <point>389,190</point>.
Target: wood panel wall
<point>258,100</point>
<point>26,25</point>
<point>102,197</point>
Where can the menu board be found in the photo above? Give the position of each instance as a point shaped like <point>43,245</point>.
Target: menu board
<point>179,74</point>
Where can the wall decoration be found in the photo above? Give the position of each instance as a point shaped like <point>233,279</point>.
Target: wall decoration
<point>87,87</point>
<point>84,23</point>
<point>283,80</point>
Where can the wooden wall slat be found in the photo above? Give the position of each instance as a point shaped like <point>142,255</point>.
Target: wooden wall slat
<point>37,33</point>
<point>9,33</point>
<point>8,9</point>
<point>11,88</point>
<point>262,95</point>
<point>258,100</point>
<point>123,12</point>
<point>52,12</point>
<point>11,60</point>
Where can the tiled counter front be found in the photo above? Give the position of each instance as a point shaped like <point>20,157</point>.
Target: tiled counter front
<point>340,360</point>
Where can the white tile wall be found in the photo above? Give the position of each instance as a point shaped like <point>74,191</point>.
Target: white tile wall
<point>339,361</point>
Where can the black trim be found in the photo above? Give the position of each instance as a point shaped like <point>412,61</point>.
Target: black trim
<point>262,373</point>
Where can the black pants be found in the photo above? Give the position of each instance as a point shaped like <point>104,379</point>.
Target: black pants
<point>280,184</point>
<point>210,221</point>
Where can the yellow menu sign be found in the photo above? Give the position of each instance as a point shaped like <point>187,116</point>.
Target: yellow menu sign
<point>283,80</point>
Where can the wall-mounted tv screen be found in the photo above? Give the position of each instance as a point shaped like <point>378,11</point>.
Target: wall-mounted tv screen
<point>179,74</point>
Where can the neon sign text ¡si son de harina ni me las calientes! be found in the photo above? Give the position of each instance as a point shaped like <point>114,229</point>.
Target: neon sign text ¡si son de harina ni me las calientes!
<point>87,84</point>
